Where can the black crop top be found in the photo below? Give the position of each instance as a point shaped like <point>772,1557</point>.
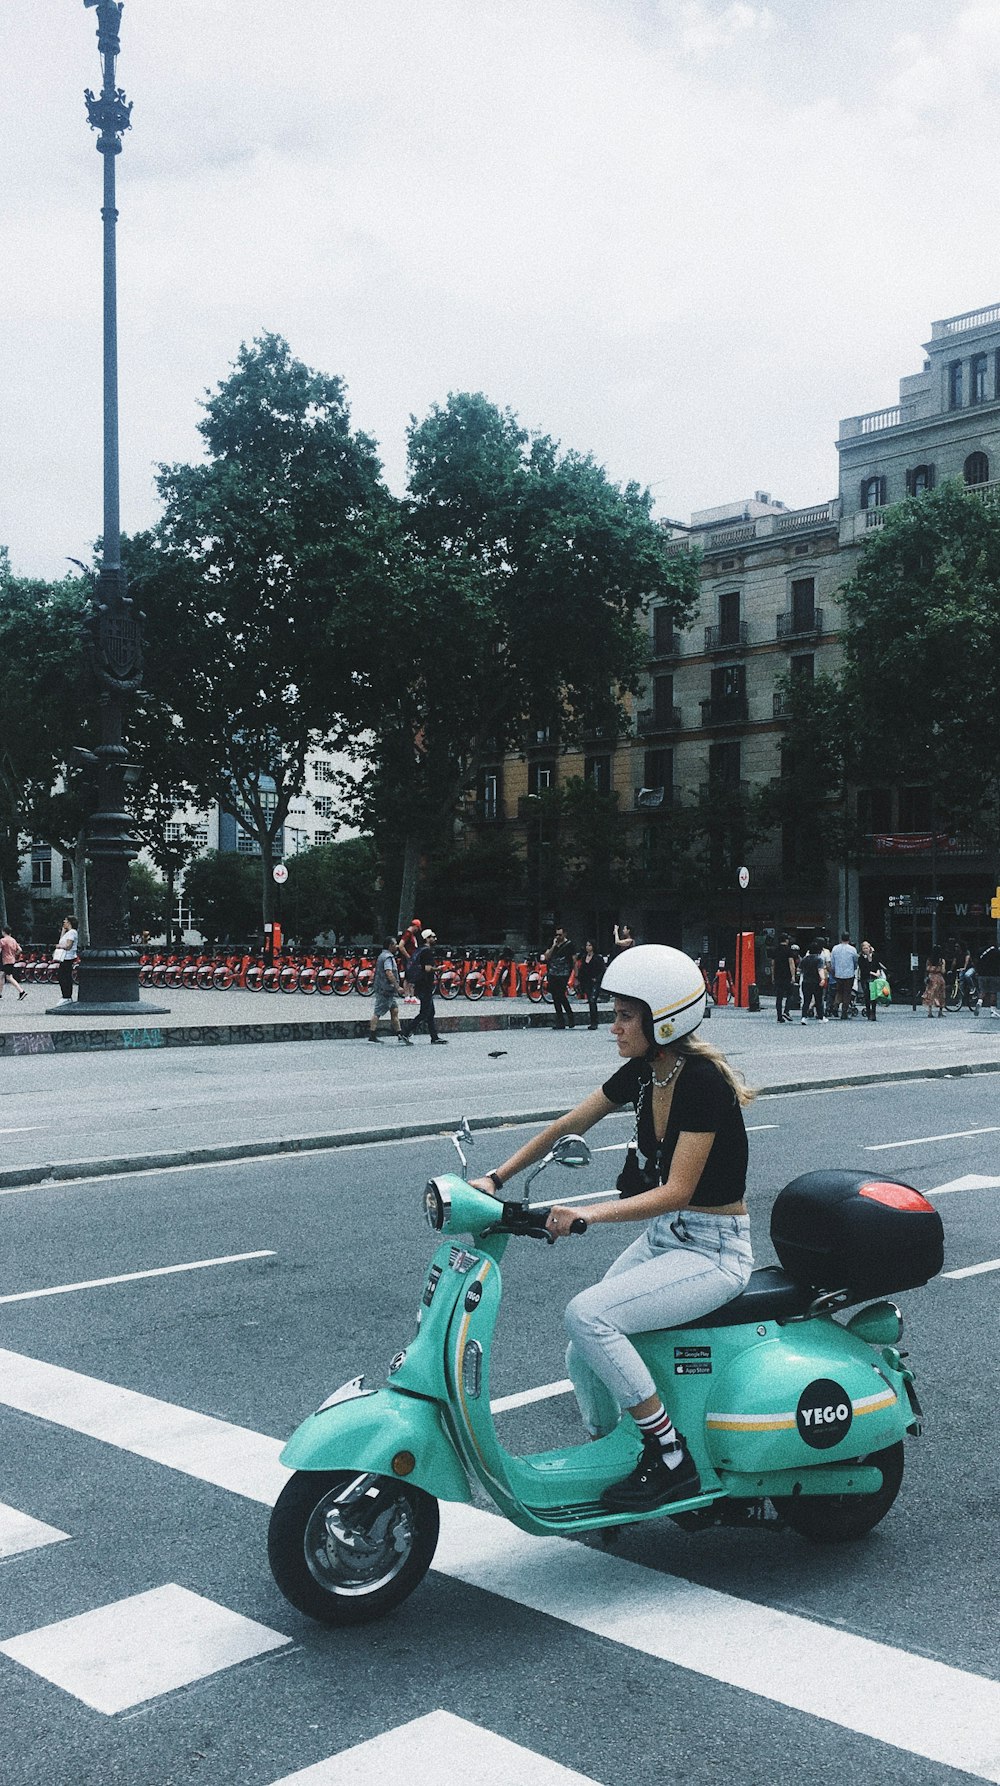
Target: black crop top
<point>703,1103</point>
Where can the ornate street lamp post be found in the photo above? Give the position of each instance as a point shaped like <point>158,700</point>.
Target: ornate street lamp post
<point>109,969</point>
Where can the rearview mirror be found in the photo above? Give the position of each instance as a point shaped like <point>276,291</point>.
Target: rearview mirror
<point>571,1150</point>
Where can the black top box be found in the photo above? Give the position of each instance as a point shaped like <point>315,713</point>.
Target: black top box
<point>850,1231</point>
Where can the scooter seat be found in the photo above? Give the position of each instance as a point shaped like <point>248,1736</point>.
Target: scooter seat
<point>771,1295</point>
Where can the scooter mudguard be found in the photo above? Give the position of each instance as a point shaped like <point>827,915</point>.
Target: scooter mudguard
<point>381,1433</point>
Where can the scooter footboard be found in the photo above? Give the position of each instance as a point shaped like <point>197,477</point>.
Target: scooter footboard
<point>381,1433</point>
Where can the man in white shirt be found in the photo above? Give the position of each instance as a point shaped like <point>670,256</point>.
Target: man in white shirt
<point>844,962</point>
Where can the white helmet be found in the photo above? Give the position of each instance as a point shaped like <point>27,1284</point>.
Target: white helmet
<point>666,980</point>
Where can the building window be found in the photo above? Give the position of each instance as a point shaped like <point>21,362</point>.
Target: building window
<point>597,770</point>
<point>874,810</point>
<point>322,837</point>
<point>803,668</point>
<point>915,809</point>
<point>663,699</point>
<point>919,479</point>
<point>541,777</point>
<point>729,618</point>
<point>977,378</point>
<point>245,844</point>
<point>729,683</point>
<point>196,835</point>
<point>488,795</point>
<point>658,769</point>
<point>663,630</point>
<point>542,734</point>
<point>976,469</point>
<point>323,806</point>
<point>41,865</point>
<point>803,604</point>
<point>182,917</point>
<point>724,763</point>
<point>323,770</point>
<point>873,493</point>
<point>955,385</point>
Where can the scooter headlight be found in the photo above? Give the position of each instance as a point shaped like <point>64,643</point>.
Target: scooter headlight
<point>437,1205</point>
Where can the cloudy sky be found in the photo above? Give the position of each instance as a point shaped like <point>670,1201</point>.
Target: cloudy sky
<point>686,235</point>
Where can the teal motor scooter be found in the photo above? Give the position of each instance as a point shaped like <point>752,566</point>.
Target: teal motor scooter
<point>791,1414</point>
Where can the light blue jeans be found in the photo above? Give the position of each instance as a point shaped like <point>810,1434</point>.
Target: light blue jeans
<point>683,1265</point>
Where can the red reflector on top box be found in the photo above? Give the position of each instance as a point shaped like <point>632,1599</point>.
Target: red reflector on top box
<point>895,1196</point>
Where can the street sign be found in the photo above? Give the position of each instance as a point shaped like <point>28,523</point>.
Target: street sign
<point>279,873</point>
<point>743,876</point>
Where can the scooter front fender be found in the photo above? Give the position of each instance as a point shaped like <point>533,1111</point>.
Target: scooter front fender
<point>366,1432</point>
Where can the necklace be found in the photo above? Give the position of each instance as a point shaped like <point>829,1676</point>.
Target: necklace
<point>675,1069</point>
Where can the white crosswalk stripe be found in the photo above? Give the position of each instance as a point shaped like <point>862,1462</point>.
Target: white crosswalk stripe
<point>931,1710</point>
<point>432,1750</point>
<point>120,1655</point>
<point>19,1532</point>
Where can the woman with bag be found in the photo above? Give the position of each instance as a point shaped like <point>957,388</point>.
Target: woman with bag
<point>64,954</point>
<point>685,1178</point>
<point>869,969</point>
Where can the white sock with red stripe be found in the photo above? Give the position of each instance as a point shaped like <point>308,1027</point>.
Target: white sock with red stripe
<point>658,1428</point>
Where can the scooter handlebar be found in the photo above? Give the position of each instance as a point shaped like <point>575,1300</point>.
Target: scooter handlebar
<point>530,1224</point>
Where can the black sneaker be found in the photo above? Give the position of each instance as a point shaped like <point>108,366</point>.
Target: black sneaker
<point>439,1041</point>
<point>403,1037</point>
<point>653,1483</point>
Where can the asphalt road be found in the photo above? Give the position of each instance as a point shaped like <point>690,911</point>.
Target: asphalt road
<point>259,1341</point>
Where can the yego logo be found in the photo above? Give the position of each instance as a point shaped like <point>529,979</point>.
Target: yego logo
<point>824,1413</point>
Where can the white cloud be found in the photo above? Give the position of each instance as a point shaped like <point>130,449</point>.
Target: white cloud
<point>705,28</point>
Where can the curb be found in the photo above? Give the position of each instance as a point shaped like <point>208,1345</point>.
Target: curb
<point>214,1035</point>
<point>114,1166</point>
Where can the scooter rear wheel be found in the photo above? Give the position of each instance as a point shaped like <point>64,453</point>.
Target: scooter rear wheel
<point>343,1555</point>
<point>836,1519</point>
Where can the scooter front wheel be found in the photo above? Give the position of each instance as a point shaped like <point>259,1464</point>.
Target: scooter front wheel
<point>345,1547</point>
<point>836,1519</point>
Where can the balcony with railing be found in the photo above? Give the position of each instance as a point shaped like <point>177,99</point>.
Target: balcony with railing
<point>724,792</point>
<point>807,624</point>
<point>724,710</point>
<point>743,533</point>
<point>666,642</point>
<point>657,719</point>
<point>727,638</point>
<point>782,705</point>
<point>970,319</point>
<point>875,421</point>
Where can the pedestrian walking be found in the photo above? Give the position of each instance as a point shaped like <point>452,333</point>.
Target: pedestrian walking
<point>934,983</point>
<point>590,971</point>
<point>420,975</point>
<point>10,949</point>
<point>558,958</point>
<point>989,978</point>
<point>385,988</point>
<point>844,963</point>
<point>783,974</point>
<point>65,953</point>
<point>812,975</point>
<point>868,967</point>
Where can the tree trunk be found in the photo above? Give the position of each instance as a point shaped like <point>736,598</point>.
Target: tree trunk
<point>3,903</point>
<point>81,903</point>
<point>408,885</point>
<point>170,905</point>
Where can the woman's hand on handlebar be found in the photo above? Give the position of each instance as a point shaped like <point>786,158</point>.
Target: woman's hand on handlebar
<point>562,1222</point>
<point>484,1184</point>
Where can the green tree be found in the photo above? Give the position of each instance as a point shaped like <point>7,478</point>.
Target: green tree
<point>469,889</point>
<point>331,887</point>
<point>253,583</point>
<point>515,597</point>
<point>148,900</point>
<point>923,653</point>
<point>46,711</point>
<point>223,892</point>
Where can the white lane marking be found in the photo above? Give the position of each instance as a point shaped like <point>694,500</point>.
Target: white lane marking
<point>430,1749</point>
<point>19,1532</point>
<point>199,1445</point>
<point>973,1181</point>
<point>942,1713</point>
<point>132,1277</point>
<point>754,1128</point>
<point>132,1650</point>
<point>27,1129</point>
<point>974,1270</point>
<point>924,1140</point>
<point>543,1392</point>
<point>935,1711</point>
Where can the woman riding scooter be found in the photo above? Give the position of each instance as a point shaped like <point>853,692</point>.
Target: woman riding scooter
<point>695,1252</point>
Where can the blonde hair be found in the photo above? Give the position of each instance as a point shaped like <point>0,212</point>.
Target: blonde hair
<point>687,1046</point>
